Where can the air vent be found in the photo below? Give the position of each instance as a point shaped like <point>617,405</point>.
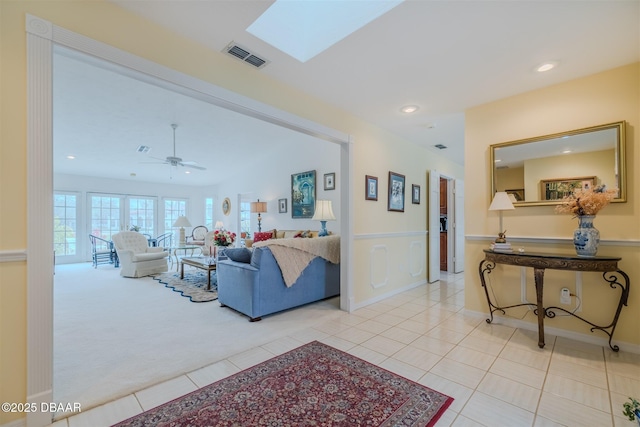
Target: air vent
<point>440,146</point>
<point>502,167</point>
<point>143,149</point>
<point>245,55</point>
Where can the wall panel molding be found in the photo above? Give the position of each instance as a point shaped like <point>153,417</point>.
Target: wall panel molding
<point>15,255</point>
<point>364,236</point>
<point>547,240</point>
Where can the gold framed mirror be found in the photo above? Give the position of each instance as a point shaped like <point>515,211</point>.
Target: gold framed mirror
<point>542,170</point>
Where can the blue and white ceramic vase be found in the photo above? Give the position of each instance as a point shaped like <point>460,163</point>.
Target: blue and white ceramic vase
<point>586,237</point>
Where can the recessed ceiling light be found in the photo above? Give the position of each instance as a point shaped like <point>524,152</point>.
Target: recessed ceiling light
<point>497,160</point>
<point>566,151</point>
<point>546,67</point>
<point>71,157</point>
<point>187,172</point>
<point>408,109</point>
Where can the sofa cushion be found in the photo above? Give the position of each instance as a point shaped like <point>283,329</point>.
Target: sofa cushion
<point>304,234</point>
<point>238,254</point>
<point>261,236</point>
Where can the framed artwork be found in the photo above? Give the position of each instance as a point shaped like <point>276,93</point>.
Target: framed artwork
<point>226,206</point>
<point>415,194</point>
<point>518,193</point>
<point>371,187</point>
<point>558,188</point>
<point>303,194</point>
<point>282,205</point>
<point>396,192</point>
<point>330,181</point>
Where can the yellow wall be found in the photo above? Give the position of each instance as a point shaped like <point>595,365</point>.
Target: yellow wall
<point>376,152</point>
<point>602,98</point>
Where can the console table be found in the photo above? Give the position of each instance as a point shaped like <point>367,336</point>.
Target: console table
<point>542,261</point>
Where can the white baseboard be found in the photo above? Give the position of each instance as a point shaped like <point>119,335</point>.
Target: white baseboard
<point>588,338</point>
<point>387,295</point>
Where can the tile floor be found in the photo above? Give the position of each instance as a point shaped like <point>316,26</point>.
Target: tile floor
<point>497,375</point>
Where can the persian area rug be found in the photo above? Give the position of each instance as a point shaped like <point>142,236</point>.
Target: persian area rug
<point>193,286</point>
<point>313,385</point>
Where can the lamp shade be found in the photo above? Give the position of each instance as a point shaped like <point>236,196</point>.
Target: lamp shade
<point>258,207</point>
<point>324,211</point>
<point>501,202</point>
<point>219,225</point>
<point>182,221</point>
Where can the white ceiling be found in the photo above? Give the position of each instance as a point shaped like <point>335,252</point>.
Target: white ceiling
<point>444,56</point>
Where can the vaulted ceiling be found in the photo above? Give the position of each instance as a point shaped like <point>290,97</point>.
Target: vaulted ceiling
<point>443,56</point>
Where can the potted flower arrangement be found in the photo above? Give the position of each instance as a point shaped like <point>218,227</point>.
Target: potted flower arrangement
<point>223,237</point>
<point>584,204</point>
<point>632,410</point>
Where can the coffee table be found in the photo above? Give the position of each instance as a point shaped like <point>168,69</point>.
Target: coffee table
<point>200,262</point>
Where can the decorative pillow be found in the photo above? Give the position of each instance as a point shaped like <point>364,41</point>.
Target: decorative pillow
<point>238,254</point>
<point>306,233</point>
<point>260,236</point>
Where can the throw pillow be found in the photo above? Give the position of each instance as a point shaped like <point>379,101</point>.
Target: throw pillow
<point>238,254</point>
<point>261,236</point>
<point>303,234</point>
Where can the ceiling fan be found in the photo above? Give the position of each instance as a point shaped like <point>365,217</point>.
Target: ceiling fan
<point>175,160</point>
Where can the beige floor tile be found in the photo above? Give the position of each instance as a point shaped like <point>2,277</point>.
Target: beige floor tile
<point>510,391</point>
<point>164,392</point>
<point>403,369</point>
<point>372,326</point>
<point>418,326</point>
<point>528,340</point>
<point>461,324</point>
<point>518,372</point>
<point>416,357</point>
<point>568,369</point>
<point>453,389</point>
<point>624,385</point>
<point>332,326</point>
<point>584,347</point>
<point>493,412</point>
<point>389,319</point>
<point>250,357</point>
<point>366,312</point>
<point>458,372</point>
<point>367,354</point>
<point>355,335</point>
<point>470,357</point>
<point>462,421</point>
<point>486,346</point>
<point>574,355</point>
<point>383,345</point>
<point>433,345</point>
<point>623,363</point>
<point>339,343</point>
<point>282,345</point>
<point>570,413</point>
<point>446,419</point>
<point>447,335</point>
<point>308,335</point>
<point>212,373</point>
<point>545,422</point>
<point>594,397</point>
<point>399,334</point>
<point>538,360</point>
<point>107,414</point>
<point>493,332</point>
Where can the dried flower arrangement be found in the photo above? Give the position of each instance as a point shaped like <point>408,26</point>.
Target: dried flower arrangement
<point>587,202</point>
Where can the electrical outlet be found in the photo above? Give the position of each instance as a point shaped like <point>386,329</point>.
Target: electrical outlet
<point>565,296</point>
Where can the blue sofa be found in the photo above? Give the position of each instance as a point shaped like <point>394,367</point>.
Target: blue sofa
<point>257,288</point>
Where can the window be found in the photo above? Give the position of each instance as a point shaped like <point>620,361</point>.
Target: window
<point>106,214</point>
<point>172,210</point>
<point>65,214</point>
<point>245,216</point>
<point>142,214</point>
<point>208,213</point>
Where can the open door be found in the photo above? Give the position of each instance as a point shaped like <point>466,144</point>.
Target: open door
<point>458,226</point>
<point>433,222</point>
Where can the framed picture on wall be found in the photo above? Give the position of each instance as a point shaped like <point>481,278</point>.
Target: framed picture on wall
<point>396,192</point>
<point>282,205</point>
<point>303,194</point>
<point>371,187</point>
<point>415,194</point>
<point>330,181</point>
<point>558,188</point>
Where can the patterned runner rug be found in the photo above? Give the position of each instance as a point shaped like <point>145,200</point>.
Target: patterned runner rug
<point>313,385</point>
<point>193,286</point>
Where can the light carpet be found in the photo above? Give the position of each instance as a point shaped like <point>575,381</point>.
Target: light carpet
<point>193,285</point>
<point>312,385</point>
<point>114,335</point>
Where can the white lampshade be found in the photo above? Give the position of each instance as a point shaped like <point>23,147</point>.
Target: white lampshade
<point>258,207</point>
<point>323,212</point>
<point>501,202</point>
<point>219,225</point>
<point>182,221</point>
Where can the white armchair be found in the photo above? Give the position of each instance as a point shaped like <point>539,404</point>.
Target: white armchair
<point>136,257</point>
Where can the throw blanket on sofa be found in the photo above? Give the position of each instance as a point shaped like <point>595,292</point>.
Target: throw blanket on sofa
<point>293,255</point>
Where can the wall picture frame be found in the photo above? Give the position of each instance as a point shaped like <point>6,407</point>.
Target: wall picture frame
<point>330,181</point>
<point>415,194</point>
<point>282,205</point>
<point>558,188</point>
<point>396,192</point>
<point>371,187</point>
<point>303,194</point>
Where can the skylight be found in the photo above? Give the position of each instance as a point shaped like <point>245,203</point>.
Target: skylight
<point>304,28</point>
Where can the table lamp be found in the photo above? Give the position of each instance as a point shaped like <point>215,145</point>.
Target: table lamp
<point>501,202</point>
<point>259,207</point>
<point>182,222</point>
<point>219,225</point>
<point>323,213</point>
